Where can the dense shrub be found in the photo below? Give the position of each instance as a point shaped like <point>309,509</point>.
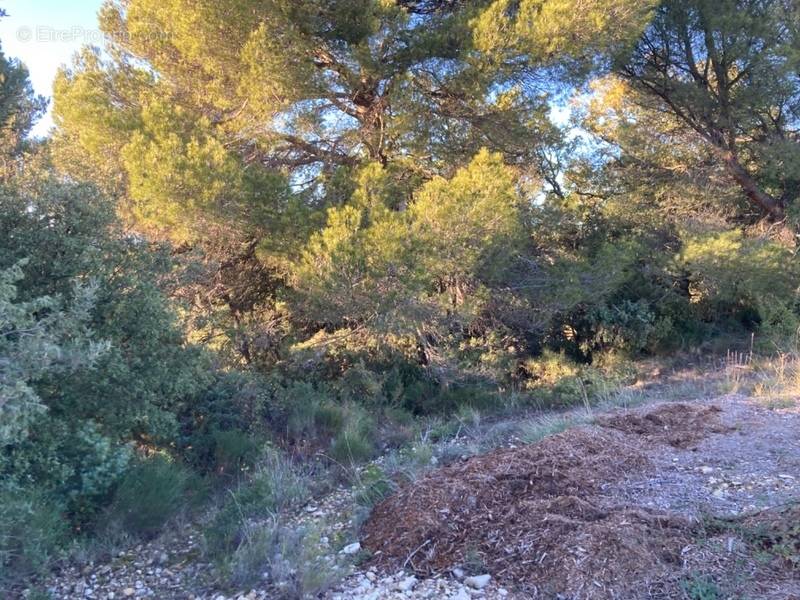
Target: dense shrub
<point>75,463</point>
<point>32,532</point>
<point>353,444</point>
<point>152,492</point>
<point>225,425</point>
<point>78,447</point>
<point>554,380</point>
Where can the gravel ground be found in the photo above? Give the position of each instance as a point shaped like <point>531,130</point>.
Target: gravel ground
<point>753,466</point>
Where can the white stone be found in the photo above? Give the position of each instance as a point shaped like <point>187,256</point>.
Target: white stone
<point>351,548</point>
<point>478,582</point>
<point>458,573</point>
<point>128,591</point>
<point>406,584</point>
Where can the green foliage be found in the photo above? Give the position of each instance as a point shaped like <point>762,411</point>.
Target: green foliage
<point>719,69</point>
<point>297,563</point>
<point>353,444</point>
<point>273,486</point>
<point>223,428</point>
<point>311,411</point>
<point>37,337</point>
<point>628,325</point>
<point>32,533</point>
<point>554,380</point>
<point>701,587</point>
<point>376,219</point>
<point>558,27</point>
<point>372,486</point>
<point>19,110</point>
<point>734,274</point>
<point>146,369</point>
<point>74,462</point>
<point>152,492</point>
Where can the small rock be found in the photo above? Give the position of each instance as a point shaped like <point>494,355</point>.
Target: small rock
<point>458,573</point>
<point>478,582</point>
<point>407,584</point>
<point>706,470</point>
<point>351,548</point>
<point>128,591</point>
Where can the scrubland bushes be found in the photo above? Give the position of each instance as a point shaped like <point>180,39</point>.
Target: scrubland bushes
<point>130,425</point>
<point>151,492</point>
<point>218,298</point>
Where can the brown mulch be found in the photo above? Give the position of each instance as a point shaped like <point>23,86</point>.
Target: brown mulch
<point>679,425</point>
<point>533,516</point>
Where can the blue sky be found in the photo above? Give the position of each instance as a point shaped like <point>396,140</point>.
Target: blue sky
<point>44,34</point>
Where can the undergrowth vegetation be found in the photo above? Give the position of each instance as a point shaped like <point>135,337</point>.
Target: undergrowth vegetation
<point>297,245</point>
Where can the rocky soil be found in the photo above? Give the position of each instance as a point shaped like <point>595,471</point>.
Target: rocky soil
<point>729,457</point>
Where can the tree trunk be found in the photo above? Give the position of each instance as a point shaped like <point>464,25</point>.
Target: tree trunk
<point>770,205</point>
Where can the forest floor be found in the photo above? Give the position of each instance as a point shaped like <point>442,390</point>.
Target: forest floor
<point>687,495</point>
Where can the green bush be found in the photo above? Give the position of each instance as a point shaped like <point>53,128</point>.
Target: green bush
<point>151,493</point>
<point>274,486</point>
<point>311,410</point>
<point>74,462</point>
<point>222,428</point>
<point>627,325</point>
<point>356,441</point>
<point>351,446</point>
<point>234,451</point>
<point>557,381</point>
<point>362,386</point>
<point>372,486</point>
<point>78,445</point>
<point>291,561</point>
<point>429,399</point>
<point>32,532</point>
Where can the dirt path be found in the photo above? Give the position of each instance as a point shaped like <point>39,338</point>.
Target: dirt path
<point>676,500</point>
<point>754,463</point>
<point>619,508</point>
